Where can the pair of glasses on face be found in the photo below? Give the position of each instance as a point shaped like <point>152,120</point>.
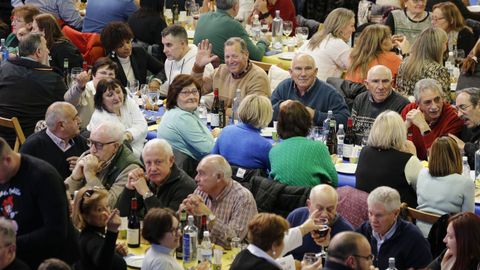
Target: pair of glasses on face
<point>370,257</point>
<point>98,145</point>
<point>187,93</point>
<point>463,107</point>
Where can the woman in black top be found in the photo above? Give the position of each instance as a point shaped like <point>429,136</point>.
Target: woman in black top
<point>99,230</point>
<point>60,47</point>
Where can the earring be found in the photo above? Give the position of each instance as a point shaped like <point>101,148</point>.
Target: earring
<point>274,253</point>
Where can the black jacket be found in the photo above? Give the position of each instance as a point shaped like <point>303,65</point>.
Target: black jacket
<point>27,88</point>
<point>141,62</point>
<point>245,260</point>
<point>148,28</point>
<point>65,49</point>
<point>170,194</point>
<point>471,137</point>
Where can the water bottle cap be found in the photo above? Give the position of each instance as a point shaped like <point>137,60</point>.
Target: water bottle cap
<point>450,53</point>
<point>340,126</point>
<point>391,260</point>
<point>190,218</point>
<point>464,158</point>
<point>206,234</point>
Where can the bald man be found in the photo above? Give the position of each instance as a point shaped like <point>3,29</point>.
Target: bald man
<point>228,205</point>
<point>60,143</point>
<point>324,199</point>
<point>349,250</point>
<point>318,96</point>
<point>106,164</point>
<point>161,184</point>
<point>379,98</point>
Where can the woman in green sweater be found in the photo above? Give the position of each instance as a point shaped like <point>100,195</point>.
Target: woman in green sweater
<point>298,161</point>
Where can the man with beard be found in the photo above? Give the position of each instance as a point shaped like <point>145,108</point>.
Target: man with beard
<point>429,117</point>
<point>467,109</point>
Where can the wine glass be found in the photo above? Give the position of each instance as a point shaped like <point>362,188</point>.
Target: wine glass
<point>133,87</point>
<point>264,27</point>
<point>73,75</point>
<point>195,11</point>
<point>188,6</point>
<point>301,34</point>
<point>459,56</point>
<point>309,258</point>
<point>322,232</point>
<point>287,28</point>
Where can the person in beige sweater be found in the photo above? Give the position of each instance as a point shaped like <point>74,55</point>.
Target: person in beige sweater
<point>237,72</point>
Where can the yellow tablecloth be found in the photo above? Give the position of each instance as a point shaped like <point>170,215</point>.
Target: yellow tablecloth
<point>274,59</point>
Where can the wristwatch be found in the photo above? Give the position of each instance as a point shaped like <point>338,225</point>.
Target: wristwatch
<point>147,195</point>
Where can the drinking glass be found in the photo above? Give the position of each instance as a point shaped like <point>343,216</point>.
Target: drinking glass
<point>264,27</point>
<point>459,56</point>
<point>133,87</point>
<point>316,133</point>
<point>195,11</point>
<point>74,73</point>
<point>310,258</point>
<point>301,33</point>
<point>287,28</point>
<point>322,232</point>
<point>188,6</point>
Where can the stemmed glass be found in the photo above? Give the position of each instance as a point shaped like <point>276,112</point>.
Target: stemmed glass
<point>322,232</point>
<point>459,56</point>
<point>264,27</point>
<point>301,33</point>
<point>309,258</point>
<point>195,11</point>
<point>73,75</point>
<point>287,29</point>
<point>133,87</point>
<point>188,6</point>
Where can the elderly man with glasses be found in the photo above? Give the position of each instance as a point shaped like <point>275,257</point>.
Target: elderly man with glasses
<point>468,110</point>
<point>107,163</point>
<point>349,250</point>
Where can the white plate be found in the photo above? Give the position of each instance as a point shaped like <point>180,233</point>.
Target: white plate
<point>347,168</point>
<point>267,132</point>
<point>475,8</point>
<point>135,261</point>
<point>286,55</point>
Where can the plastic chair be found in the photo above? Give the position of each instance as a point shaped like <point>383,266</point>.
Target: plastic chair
<point>413,214</point>
<point>88,44</point>
<point>15,125</point>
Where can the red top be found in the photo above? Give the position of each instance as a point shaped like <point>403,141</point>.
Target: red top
<point>287,12</point>
<point>448,122</point>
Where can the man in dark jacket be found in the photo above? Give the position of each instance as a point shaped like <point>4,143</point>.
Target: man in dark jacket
<point>348,251</point>
<point>468,109</point>
<point>393,237</point>
<point>28,86</point>
<point>167,184</point>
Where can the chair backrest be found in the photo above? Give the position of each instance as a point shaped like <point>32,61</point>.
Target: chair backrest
<point>15,125</point>
<point>262,65</point>
<point>414,214</point>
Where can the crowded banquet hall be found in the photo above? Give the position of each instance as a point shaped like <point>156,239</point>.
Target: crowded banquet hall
<point>239,134</point>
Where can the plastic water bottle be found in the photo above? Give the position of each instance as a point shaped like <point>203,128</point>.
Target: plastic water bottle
<point>340,139</point>
<point>236,104</point>
<point>256,28</point>
<point>190,245</point>
<point>3,50</point>
<point>202,111</point>
<point>466,167</point>
<point>391,264</point>
<point>326,123</point>
<point>206,248</point>
<point>277,31</point>
<point>452,69</point>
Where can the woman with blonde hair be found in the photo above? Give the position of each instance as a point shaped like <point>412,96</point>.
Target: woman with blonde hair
<point>442,189</point>
<point>425,61</point>
<point>241,144</point>
<point>373,47</point>
<point>329,46</point>
<point>98,231</point>
<point>446,15</point>
<point>393,156</point>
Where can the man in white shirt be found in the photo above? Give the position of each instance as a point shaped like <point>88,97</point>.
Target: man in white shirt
<point>180,55</point>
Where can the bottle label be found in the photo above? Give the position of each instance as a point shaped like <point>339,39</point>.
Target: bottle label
<point>133,236</point>
<point>347,150</point>
<point>186,247</point>
<point>215,121</point>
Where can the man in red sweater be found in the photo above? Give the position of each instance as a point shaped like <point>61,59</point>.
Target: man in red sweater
<point>429,117</point>
<point>266,11</point>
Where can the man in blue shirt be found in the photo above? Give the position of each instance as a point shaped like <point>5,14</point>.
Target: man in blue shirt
<point>318,96</point>
<point>321,204</point>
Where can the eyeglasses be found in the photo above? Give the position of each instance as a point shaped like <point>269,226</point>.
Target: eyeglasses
<point>16,20</point>
<point>98,145</point>
<point>188,93</point>
<point>369,257</point>
<point>463,107</point>
<point>437,18</point>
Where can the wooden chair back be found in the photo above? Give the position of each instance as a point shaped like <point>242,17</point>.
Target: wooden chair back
<point>415,214</point>
<point>15,125</point>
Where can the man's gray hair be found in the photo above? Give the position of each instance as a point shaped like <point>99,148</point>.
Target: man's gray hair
<point>221,165</point>
<point>160,143</point>
<point>114,130</point>
<point>236,40</point>
<point>55,113</point>
<point>427,84</point>
<point>30,44</point>
<point>8,231</point>
<point>226,4</point>
<point>474,94</point>
<point>379,67</point>
<point>389,197</point>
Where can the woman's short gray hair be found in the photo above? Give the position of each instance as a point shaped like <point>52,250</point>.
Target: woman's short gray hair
<point>388,131</point>
<point>389,197</point>
<point>424,84</point>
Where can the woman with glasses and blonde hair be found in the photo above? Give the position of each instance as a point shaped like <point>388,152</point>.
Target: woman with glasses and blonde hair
<point>393,157</point>
<point>373,47</point>
<point>329,46</point>
<point>180,125</point>
<point>425,61</point>
<point>442,189</point>
<point>98,227</point>
<point>410,21</point>
<point>446,15</point>
<point>241,144</point>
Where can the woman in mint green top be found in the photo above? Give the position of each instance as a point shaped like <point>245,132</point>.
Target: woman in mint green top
<point>298,161</point>
<point>180,125</point>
